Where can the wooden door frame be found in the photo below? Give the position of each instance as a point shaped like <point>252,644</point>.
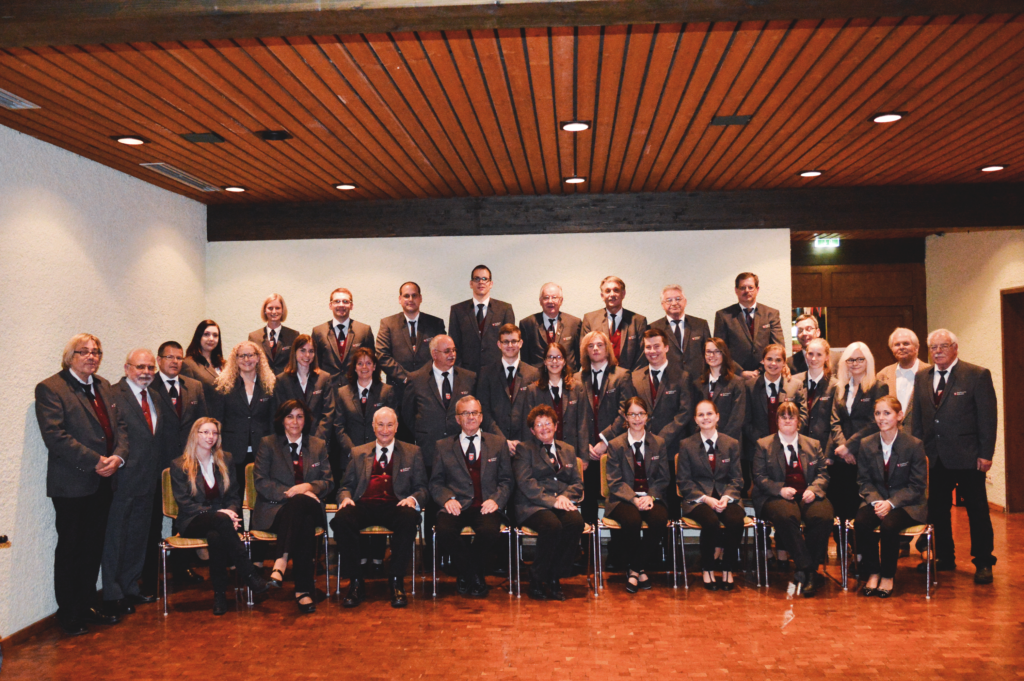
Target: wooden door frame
<point>1013,407</point>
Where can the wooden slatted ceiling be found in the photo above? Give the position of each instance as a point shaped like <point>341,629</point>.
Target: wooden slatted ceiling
<point>476,113</point>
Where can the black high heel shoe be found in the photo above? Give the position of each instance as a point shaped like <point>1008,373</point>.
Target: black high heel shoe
<point>712,585</point>
<point>276,582</point>
<point>306,608</point>
<point>644,584</point>
<point>632,583</point>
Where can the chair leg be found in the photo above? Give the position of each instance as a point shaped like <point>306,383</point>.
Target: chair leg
<point>929,565</point>
<point>419,531</point>
<point>675,572</point>
<point>433,562</point>
<point>510,561</point>
<point>327,567</point>
<point>682,555</point>
<point>337,578</point>
<point>238,573</point>
<point>163,557</point>
<point>844,571</point>
<point>595,555</point>
<point>519,563</point>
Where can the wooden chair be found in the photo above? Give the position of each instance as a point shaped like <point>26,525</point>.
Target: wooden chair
<point>468,532</point>
<point>931,577</point>
<point>332,509</point>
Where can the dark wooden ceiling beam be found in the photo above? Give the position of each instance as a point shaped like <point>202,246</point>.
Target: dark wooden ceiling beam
<point>26,23</point>
<point>826,210</point>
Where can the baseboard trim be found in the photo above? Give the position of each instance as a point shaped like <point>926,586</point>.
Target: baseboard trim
<point>28,632</point>
<point>996,507</point>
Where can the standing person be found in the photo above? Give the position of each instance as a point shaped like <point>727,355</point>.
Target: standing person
<point>559,387</point>
<point>403,340</point>
<point>819,387</point>
<point>472,483</point>
<point>303,380</point>
<point>709,478</point>
<point>548,491</point>
<point>806,330</point>
<point>337,339</point>
<point>205,487</point>
<point>606,388</point>
<point>243,403</point>
<point>474,324</point>
<point>638,479</point>
<point>748,327</point>
<point>624,328</point>
<point>904,346</point>
<point>853,419</point>
<point>292,476</point>
<point>721,384</point>
<point>955,415</point>
<point>124,548</point>
<point>892,474</point>
<point>687,334</point>
<point>550,325</point>
<point>765,394</point>
<point>502,386</point>
<point>204,357</point>
<point>86,442</point>
<point>355,402</point>
<point>275,339</point>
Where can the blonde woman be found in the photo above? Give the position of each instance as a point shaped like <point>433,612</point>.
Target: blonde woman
<point>206,489</point>
<point>243,402</point>
<point>275,338</point>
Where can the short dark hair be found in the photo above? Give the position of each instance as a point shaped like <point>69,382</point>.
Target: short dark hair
<point>541,410</point>
<point>510,328</point>
<point>169,344</point>
<point>287,408</point>
<point>301,341</point>
<point>482,267</point>
<point>747,275</point>
<point>638,401</point>
<point>350,375</point>
<point>656,333</point>
<point>412,283</point>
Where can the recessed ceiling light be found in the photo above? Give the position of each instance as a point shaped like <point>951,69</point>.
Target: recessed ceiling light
<point>274,135</point>
<point>992,169</point>
<point>236,190</point>
<point>345,186</point>
<point>810,173</point>
<point>130,140</point>
<point>890,117</point>
<point>575,180</point>
<point>575,126</point>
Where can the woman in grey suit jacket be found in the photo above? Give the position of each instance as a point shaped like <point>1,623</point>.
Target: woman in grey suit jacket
<point>355,403</point>
<point>303,380</point>
<point>206,490</point>
<point>293,478</point>
<point>243,401</point>
<point>720,383</point>
<point>204,358</point>
<point>558,378</point>
<point>892,472</point>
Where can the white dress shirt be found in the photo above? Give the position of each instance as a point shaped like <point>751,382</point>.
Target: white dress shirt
<point>905,383</point>
<point>935,378</point>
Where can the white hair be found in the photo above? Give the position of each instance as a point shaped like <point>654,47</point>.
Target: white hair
<point>943,332</point>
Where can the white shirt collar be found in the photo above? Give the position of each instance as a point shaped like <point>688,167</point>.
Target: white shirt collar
<point>816,379</point>
<point>660,369</point>
<point>438,372</point>
<point>486,302</point>
<point>136,388</point>
<point>391,450</point>
<point>704,440</point>
<point>79,378</point>
<point>752,308</point>
<point>887,448</point>
<point>777,383</point>
<point>515,364</point>
<point>795,441</point>
<point>477,441</point>
<point>345,324</point>
<point>947,369</point>
<point>908,372</point>
<point>629,438</point>
<point>407,320</point>
<point>167,379</point>
<point>599,367</point>
<point>548,320</point>
<point>294,442</point>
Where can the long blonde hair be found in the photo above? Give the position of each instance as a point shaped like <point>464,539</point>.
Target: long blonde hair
<point>264,374</point>
<point>191,462</point>
<point>843,372</point>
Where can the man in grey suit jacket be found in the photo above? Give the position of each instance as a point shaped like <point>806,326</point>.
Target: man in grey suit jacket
<point>337,339</point>
<point>747,327</point>
<point>551,325</point>
<point>474,324</point>
<point>807,329</point>
<point>687,334</point>
<point>624,328</point>
<point>471,482</point>
<point>124,549</point>
<point>955,416</point>
<point>503,399</point>
<point>900,377</point>
<point>403,340</point>
<point>86,442</point>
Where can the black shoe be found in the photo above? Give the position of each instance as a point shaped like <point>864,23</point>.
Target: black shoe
<point>883,593</point>
<point>645,584</point>
<point>356,593</point>
<point>868,591</point>
<point>141,598</point>
<point>940,566</point>
<point>72,627</point>
<point>478,587</point>
<point>554,592</point>
<point>94,616</point>
<point>810,585</point>
<point>536,590</point>
<point>187,576</point>
<point>799,579</point>
<point>397,592</point>
<point>711,586</point>
<point>220,603</point>
<point>119,607</point>
<point>462,586</point>
<point>274,582</point>
<point>257,583</point>
<point>632,586</point>
<point>727,586</point>
<point>306,608</point>
<point>983,575</point>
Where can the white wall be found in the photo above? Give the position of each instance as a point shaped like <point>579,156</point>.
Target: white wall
<point>965,274</point>
<point>85,248</point>
<point>241,274</point>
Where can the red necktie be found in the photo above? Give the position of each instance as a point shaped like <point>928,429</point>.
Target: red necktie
<point>145,411</point>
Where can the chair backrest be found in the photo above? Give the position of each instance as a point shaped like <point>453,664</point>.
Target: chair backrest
<point>250,488</point>
<point>605,489</point>
<point>579,467</point>
<point>170,504</point>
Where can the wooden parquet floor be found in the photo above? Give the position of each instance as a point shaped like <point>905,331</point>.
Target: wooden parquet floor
<point>964,631</point>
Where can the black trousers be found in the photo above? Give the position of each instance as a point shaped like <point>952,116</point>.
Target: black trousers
<point>401,520</point>
<point>817,516</point>
<point>558,541</point>
<point>295,526</point>
<point>225,547</point>
<point>712,535</point>
<point>971,485</point>
<point>641,553</point>
<point>469,560</point>
<point>81,527</point>
<point>843,491</point>
<point>889,537</point>
<point>591,490</point>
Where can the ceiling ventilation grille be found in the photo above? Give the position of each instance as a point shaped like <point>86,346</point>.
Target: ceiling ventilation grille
<point>181,176</point>
<point>13,102</point>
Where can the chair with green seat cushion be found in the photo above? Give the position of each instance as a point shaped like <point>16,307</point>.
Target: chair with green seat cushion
<point>931,577</point>
<point>468,532</point>
<point>372,530</point>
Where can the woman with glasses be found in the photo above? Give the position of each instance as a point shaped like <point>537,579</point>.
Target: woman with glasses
<point>637,474</point>
<point>853,419</point>
<point>276,339</point>
<point>559,388</point>
<point>303,380</point>
<point>243,402</point>
<point>204,357</point>
<point>724,386</point>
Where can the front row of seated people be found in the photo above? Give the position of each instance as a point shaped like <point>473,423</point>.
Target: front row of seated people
<point>386,485</point>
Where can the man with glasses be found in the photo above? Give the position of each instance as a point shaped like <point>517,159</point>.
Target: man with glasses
<point>86,442</point>
<point>502,388</point>
<point>474,324</point>
<point>955,415</point>
<point>336,340</point>
<point>550,325</point>
<point>624,328</point>
<point>748,327</point>
<point>806,331</point>
<point>471,482</point>
<point>687,334</point>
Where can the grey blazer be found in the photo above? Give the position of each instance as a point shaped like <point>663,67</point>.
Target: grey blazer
<point>396,355</point>
<point>757,425</point>
<point>731,399</point>
<point>140,474</point>
<point>849,427</point>
<point>535,338</point>
<point>73,436</point>
<point>326,343</point>
<point>503,413</point>
<point>962,429</point>
<point>611,413</point>
<point>694,477</point>
<point>353,426</point>
<point>203,373</point>
<point>476,350</point>
<point>190,505</point>
<point>409,476</point>
<point>274,475</point>
<point>633,326</point>
<point>908,474</point>
<point>574,425</point>
<point>888,377</point>
<point>769,469</point>
<point>194,407</point>
<point>243,423</point>
<point>424,413</point>
<point>318,396</point>
<point>818,424</point>
<point>537,483</point>
<point>450,478</point>
<point>285,338</point>
<point>671,412</point>
<point>621,470</point>
<point>731,326</point>
<point>695,336</point>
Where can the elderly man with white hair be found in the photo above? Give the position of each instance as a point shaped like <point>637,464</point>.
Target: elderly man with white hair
<point>904,346</point>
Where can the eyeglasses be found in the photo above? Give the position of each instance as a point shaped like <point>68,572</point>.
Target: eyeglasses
<point>247,355</point>
<point>673,299</point>
<point>550,299</point>
<point>636,415</point>
<point>173,358</point>
<point>209,432</point>
<point>89,353</point>
<point>509,343</point>
<point>143,367</point>
<point>856,360</point>
<point>470,414</point>
<point>943,347</point>
<point>480,280</point>
<point>446,351</point>
<point>712,352</point>
<point>554,358</point>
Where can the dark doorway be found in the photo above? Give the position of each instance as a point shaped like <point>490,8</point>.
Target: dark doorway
<point>1013,396</point>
